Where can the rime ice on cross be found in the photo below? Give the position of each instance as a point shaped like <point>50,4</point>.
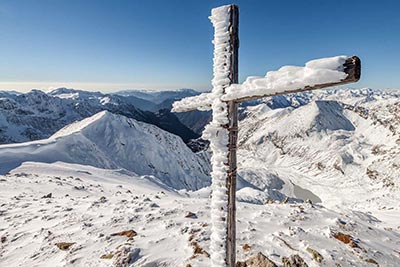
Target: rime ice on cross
<point>223,101</point>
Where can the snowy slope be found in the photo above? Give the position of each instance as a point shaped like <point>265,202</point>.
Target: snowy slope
<point>87,206</point>
<point>106,140</point>
<point>344,150</point>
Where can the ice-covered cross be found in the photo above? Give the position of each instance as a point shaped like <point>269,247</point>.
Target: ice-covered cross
<point>223,101</point>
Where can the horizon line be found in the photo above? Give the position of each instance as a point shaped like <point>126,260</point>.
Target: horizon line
<point>24,87</point>
<point>105,87</point>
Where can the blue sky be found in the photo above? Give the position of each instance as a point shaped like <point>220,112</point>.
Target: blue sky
<point>110,45</point>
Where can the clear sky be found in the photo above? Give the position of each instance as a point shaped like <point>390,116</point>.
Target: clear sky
<point>109,45</point>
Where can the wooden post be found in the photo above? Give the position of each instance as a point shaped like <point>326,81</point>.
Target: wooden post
<point>233,136</point>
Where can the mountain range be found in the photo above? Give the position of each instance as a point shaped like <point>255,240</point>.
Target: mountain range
<point>36,115</point>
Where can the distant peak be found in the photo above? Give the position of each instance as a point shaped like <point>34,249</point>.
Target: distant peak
<point>61,90</point>
<point>80,125</point>
<point>64,90</point>
<point>36,91</point>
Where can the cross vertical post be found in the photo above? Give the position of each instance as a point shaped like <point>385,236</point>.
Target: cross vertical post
<point>233,136</point>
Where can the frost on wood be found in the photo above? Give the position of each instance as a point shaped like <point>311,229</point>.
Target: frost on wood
<point>218,135</point>
<point>318,71</point>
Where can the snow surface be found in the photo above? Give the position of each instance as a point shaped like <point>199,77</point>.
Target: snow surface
<point>88,205</point>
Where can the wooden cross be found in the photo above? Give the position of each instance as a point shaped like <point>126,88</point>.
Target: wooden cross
<point>223,130</point>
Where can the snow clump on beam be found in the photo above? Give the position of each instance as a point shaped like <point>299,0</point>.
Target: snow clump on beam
<point>200,102</point>
<point>287,78</point>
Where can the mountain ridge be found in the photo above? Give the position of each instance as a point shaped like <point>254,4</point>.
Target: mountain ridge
<point>110,141</point>
<point>36,115</point>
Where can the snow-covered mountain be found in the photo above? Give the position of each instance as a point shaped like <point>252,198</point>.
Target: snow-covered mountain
<point>37,115</point>
<point>81,95</point>
<point>158,97</point>
<point>111,141</point>
<point>350,96</point>
<point>340,145</point>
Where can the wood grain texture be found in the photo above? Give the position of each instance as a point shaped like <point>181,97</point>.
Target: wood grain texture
<point>233,136</point>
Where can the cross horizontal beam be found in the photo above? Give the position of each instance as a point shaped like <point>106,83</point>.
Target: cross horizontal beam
<point>351,68</point>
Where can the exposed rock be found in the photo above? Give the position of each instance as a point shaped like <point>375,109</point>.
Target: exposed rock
<point>269,201</point>
<point>154,205</point>
<point>103,199</point>
<point>315,254</point>
<point>49,195</point>
<point>107,256</point>
<point>246,247</point>
<point>372,174</point>
<point>198,250</point>
<point>64,245</point>
<point>372,261</point>
<point>294,261</point>
<point>191,215</point>
<point>128,233</point>
<point>125,256</point>
<point>347,239</point>
<point>259,260</point>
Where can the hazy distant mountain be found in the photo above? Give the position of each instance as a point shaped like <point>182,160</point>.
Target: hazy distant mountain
<point>158,97</point>
<point>194,120</point>
<point>139,103</point>
<point>37,115</point>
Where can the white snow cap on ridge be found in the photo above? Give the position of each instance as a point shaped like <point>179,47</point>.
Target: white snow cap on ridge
<point>317,71</point>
